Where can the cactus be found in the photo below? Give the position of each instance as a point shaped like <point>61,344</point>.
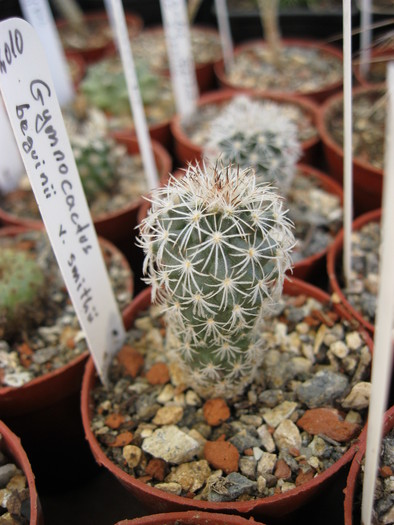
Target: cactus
<point>22,289</point>
<point>97,163</point>
<point>217,247</point>
<point>257,134</point>
<point>105,86</point>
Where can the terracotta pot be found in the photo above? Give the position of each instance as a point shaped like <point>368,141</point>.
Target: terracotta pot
<point>134,24</point>
<point>379,61</point>
<point>367,179</point>
<point>204,70</point>
<point>116,225</point>
<point>45,411</point>
<point>12,447</point>
<point>276,506</point>
<point>77,68</point>
<point>317,96</point>
<point>334,262</point>
<point>309,269</point>
<point>188,518</point>
<point>353,482</point>
<point>187,151</point>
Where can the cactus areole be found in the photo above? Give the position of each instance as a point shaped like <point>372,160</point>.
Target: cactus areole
<point>217,247</point>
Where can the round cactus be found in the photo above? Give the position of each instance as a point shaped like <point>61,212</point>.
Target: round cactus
<point>257,134</point>
<point>22,288</point>
<point>217,247</point>
<point>97,163</point>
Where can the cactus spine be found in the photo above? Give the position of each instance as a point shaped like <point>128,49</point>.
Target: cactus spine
<point>217,248</point>
<point>257,134</point>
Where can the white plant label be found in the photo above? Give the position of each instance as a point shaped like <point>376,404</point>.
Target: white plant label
<point>225,33</point>
<point>183,75</point>
<point>137,107</point>
<point>35,115</point>
<point>39,15</point>
<point>11,165</point>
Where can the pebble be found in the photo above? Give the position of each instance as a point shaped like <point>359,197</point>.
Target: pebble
<point>339,349</point>
<point>191,476</point>
<point>216,411</point>
<point>247,466</point>
<point>6,473</point>
<point>282,470</point>
<point>327,422</point>
<point>358,397</point>
<point>132,455</point>
<point>170,488</point>
<point>276,415</point>
<point>354,341</point>
<point>266,438</point>
<point>287,436</point>
<point>166,394</point>
<point>192,399</point>
<point>244,440</point>
<point>266,463</point>
<point>168,415</point>
<point>222,455</point>
<point>231,488</point>
<point>130,360</point>
<point>158,374</point>
<point>322,389</point>
<point>171,444</point>
<point>156,468</point>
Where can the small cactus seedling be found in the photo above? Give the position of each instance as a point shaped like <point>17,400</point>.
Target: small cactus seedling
<point>257,134</point>
<point>217,247</point>
<point>105,86</point>
<point>97,162</point>
<point>22,288</point>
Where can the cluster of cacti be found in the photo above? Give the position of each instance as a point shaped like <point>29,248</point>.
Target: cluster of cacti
<point>217,247</point>
<point>22,290</point>
<point>105,86</point>
<point>97,162</point>
<point>258,134</point>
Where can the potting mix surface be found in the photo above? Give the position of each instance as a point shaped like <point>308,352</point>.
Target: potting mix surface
<point>305,411</point>
<point>58,339</point>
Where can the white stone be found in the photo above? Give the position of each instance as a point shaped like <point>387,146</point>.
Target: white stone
<point>287,436</point>
<point>266,464</point>
<point>192,398</point>
<point>354,341</point>
<point>261,484</point>
<point>171,444</point>
<point>276,415</point>
<point>266,438</point>
<point>257,453</point>
<point>358,397</point>
<point>339,349</point>
<point>132,455</point>
<point>166,394</point>
<point>191,476</point>
<point>168,415</point>
<point>170,488</point>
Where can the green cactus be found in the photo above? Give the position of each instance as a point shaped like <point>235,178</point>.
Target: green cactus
<point>257,134</point>
<point>105,86</point>
<point>97,162</point>
<point>22,289</point>
<point>216,250</point>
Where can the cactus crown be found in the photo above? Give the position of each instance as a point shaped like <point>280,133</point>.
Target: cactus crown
<point>22,289</point>
<point>217,248</point>
<point>97,162</point>
<point>257,134</point>
<point>105,86</point>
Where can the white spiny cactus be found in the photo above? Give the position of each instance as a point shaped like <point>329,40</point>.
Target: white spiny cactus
<point>258,134</point>
<point>217,247</point>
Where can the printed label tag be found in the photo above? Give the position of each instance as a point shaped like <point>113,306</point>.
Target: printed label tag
<point>39,15</point>
<point>11,165</point>
<point>183,74</point>
<point>35,116</point>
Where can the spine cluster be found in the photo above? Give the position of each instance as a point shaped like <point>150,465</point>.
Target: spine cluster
<point>217,247</point>
<point>257,134</point>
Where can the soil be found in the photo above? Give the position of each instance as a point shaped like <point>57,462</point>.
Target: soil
<point>369,117</point>
<point>14,493</point>
<point>299,69</point>
<point>151,47</point>
<point>277,435</point>
<point>59,339</point>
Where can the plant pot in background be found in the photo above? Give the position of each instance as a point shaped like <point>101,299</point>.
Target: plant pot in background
<point>98,29</point>
<point>188,518</point>
<point>150,46</point>
<point>367,178</point>
<point>352,512</point>
<point>44,411</point>
<point>334,267</point>
<point>317,94</point>
<point>279,506</point>
<point>186,150</point>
